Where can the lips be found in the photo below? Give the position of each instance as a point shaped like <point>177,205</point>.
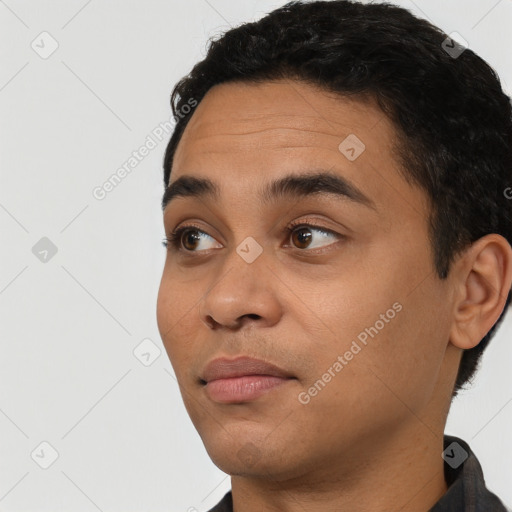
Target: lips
<point>242,366</point>
<point>241,380</point>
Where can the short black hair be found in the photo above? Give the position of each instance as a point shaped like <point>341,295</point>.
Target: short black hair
<point>453,120</point>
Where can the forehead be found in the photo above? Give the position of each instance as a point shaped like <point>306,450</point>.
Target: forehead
<point>278,115</point>
<point>244,135</point>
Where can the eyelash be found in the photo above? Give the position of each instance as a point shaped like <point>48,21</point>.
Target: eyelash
<point>173,240</point>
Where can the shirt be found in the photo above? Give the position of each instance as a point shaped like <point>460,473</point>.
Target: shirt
<point>463,475</point>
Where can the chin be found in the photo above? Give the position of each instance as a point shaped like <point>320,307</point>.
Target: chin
<point>250,458</point>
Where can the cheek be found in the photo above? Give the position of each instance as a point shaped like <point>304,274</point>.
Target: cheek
<point>407,357</point>
<point>175,320</point>
<point>390,330</point>
<point>382,381</point>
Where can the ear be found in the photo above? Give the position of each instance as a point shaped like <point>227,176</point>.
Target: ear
<point>483,277</point>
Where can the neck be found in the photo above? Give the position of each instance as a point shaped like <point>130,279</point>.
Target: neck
<point>406,473</point>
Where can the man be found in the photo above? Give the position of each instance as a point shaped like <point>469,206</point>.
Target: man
<point>338,234</point>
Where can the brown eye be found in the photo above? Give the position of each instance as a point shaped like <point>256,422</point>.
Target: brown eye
<point>190,239</point>
<point>302,237</point>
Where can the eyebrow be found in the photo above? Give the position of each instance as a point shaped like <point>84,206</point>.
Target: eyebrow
<point>292,186</point>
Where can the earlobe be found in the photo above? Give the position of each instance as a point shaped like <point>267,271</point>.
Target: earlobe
<point>484,279</point>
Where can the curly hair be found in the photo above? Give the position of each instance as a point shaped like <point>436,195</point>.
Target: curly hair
<point>453,120</point>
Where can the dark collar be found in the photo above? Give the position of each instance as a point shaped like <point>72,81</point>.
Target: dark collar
<point>463,475</point>
<point>465,480</point>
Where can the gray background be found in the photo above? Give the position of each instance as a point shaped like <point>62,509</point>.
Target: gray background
<point>72,374</point>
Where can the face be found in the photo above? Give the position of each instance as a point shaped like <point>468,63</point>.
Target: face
<point>347,302</point>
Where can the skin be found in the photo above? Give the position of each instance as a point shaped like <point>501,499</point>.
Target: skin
<point>371,439</point>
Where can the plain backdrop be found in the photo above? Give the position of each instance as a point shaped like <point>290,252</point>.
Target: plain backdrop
<point>90,413</point>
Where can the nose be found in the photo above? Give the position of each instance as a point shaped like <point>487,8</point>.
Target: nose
<point>244,293</point>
